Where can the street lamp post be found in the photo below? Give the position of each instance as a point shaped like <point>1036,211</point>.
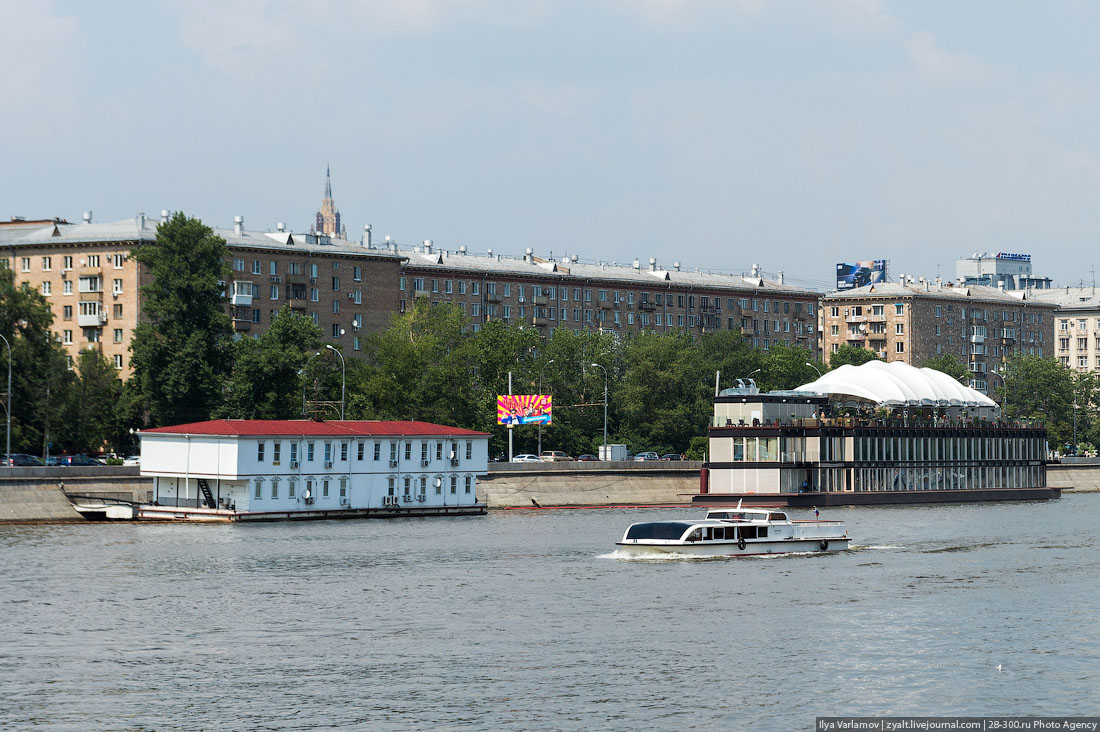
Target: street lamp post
<point>540,394</point>
<point>815,368</point>
<point>343,378</point>
<point>604,456</point>
<point>302,373</point>
<point>7,455</point>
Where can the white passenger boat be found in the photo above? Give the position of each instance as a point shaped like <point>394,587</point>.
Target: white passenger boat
<point>736,532</point>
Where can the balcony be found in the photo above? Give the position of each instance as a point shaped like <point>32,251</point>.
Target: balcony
<point>492,297</point>
<point>540,300</point>
<point>236,299</point>
<point>605,304</point>
<point>855,318</point>
<point>647,306</point>
<point>857,337</point>
<point>91,321</point>
<point>420,293</point>
<point>539,322</point>
<point>296,303</point>
<point>242,325</point>
<point>977,338</point>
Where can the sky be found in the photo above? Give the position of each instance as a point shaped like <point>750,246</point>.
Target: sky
<point>717,133</point>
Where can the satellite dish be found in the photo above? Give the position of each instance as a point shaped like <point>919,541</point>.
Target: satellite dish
<point>307,495</point>
<point>863,326</point>
<point>452,454</point>
<point>438,482</point>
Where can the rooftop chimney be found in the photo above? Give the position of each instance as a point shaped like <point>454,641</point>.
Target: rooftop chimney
<point>529,255</point>
<point>366,237</point>
<point>676,266</point>
<point>427,246</point>
<point>781,277</point>
<point>141,220</point>
<point>489,252</point>
<point>756,270</point>
<point>87,217</point>
<point>238,225</point>
<point>637,264</point>
<point>652,264</point>
<point>280,226</point>
<point>462,249</point>
<point>163,214</point>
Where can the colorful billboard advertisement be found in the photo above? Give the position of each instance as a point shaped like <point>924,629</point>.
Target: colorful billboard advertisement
<point>858,274</point>
<point>523,409</point>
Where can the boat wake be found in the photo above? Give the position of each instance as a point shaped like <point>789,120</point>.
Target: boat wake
<point>860,547</point>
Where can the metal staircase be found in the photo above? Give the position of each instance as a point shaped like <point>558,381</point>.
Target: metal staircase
<point>206,494</point>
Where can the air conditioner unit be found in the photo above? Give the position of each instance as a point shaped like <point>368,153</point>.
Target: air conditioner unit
<point>343,501</point>
<point>454,462</point>
<point>422,497</point>
<point>351,295</point>
<point>276,279</point>
<point>309,500</point>
<point>293,464</point>
<point>424,463</point>
<point>328,464</point>
<point>313,280</point>
<point>408,498</point>
<point>393,463</point>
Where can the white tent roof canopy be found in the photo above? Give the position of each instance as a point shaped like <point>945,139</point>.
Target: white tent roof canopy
<point>897,384</point>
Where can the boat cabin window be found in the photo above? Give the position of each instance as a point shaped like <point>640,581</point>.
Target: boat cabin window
<point>695,535</point>
<point>753,532</point>
<point>657,530</point>
<point>777,517</point>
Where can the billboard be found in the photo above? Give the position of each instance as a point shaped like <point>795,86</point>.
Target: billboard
<point>523,409</point>
<point>858,274</point>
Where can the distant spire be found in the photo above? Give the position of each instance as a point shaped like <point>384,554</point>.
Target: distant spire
<point>328,182</point>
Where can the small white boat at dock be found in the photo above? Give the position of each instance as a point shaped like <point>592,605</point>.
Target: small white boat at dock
<point>736,532</point>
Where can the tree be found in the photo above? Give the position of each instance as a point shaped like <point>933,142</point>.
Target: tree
<point>949,364</point>
<point>94,403</point>
<point>849,354</point>
<point>181,350</point>
<point>787,367</point>
<point>265,382</point>
<point>40,377</point>
<point>1041,388</point>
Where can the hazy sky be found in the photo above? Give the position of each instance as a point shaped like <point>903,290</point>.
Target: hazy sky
<point>718,133</point>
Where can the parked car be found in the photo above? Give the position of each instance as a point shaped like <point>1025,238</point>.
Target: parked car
<point>78,460</point>
<point>21,460</point>
<point>526,458</point>
<point>672,456</point>
<point>642,456</point>
<point>554,456</point>
<point>132,460</point>
<point>586,458</point>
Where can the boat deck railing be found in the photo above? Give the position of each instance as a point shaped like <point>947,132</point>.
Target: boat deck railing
<point>886,422</point>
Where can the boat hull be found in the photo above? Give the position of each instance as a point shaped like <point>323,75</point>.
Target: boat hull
<point>732,549</point>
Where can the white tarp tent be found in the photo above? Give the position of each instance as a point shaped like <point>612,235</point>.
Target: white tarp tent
<point>897,384</point>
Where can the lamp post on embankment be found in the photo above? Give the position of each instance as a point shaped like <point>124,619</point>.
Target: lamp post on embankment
<point>343,378</point>
<point>540,394</point>
<point>7,407</point>
<point>604,456</point>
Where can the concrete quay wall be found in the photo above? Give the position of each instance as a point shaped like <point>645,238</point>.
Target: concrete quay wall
<point>515,485</point>
<point>1074,477</point>
<point>41,495</point>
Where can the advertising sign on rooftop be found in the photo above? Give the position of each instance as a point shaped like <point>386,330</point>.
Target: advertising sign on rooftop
<point>524,409</point>
<point>850,275</point>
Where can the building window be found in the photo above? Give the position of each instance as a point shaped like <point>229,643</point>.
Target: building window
<point>118,360</point>
<point>292,488</point>
<point>324,488</point>
<point>276,452</point>
<point>238,265</point>
<point>67,287</point>
<point>899,328</point>
<point>116,286</point>
<point>344,452</point>
<point>377,450</point>
<point>309,451</point>
<point>468,481</point>
<point>25,264</point>
<point>899,347</point>
<point>66,263</point>
<point>408,450</point>
<point>259,488</point>
<point>256,267</point>
<point>66,336</point>
<point>46,289</point>
<point>118,335</point>
<point>118,259</point>
<point>260,451</point>
<point>293,451</point>
<point>274,292</point>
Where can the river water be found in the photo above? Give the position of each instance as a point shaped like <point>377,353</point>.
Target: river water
<point>529,620</point>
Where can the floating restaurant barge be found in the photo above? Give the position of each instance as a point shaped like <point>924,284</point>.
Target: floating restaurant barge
<point>272,470</point>
<point>894,434</point>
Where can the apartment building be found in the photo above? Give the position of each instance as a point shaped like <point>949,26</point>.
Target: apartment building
<point>86,272</point>
<point>546,293</point>
<point>920,319</point>
<point>1076,325</point>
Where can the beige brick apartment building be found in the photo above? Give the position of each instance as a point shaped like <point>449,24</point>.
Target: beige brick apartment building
<point>1076,326</point>
<point>546,294</point>
<point>93,285</point>
<point>915,321</point>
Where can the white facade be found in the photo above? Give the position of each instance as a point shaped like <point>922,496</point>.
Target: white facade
<point>257,473</point>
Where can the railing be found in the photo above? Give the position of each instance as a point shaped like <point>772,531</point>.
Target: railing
<point>882,422</point>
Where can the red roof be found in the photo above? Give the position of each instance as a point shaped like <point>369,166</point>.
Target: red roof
<point>293,427</point>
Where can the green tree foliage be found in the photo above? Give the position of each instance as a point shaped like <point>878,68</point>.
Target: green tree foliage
<point>94,404</point>
<point>265,383</point>
<point>849,354</point>
<point>1042,388</point>
<point>182,349</point>
<point>787,367</point>
<point>949,364</point>
<point>40,377</point>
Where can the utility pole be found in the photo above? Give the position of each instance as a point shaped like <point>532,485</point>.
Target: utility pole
<point>510,424</point>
